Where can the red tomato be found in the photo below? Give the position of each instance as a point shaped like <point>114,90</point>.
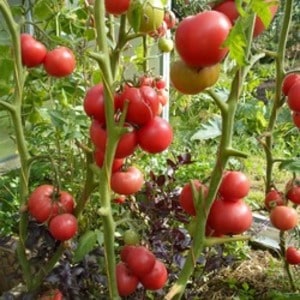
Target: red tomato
<point>293,193</point>
<point>227,217</point>
<point>296,118</point>
<point>170,19</point>
<point>117,7</point>
<point>199,39</point>
<point>140,261</point>
<point>160,31</point>
<point>293,99</point>
<point>142,104</point>
<point>99,158</point>
<point>234,186</point>
<point>156,278</point>
<point>44,203</point>
<point>156,136</point>
<point>228,8</point>
<point>120,200</point>
<point>127,182</point>
<point>52,295</point>
<point>126,281</point>
<point>93,103</point>
<point>126,145</point>
<point>60,62</point>
<point>288,81</point>
<point>33,52</point>
<point>159,83</point>
<point>273,198</point>
<point>186,196</point>
<point>284,217</point>
<point>63,227</point>
<point>163,96</point>
<point>292,255</point>
<point>124,252</point>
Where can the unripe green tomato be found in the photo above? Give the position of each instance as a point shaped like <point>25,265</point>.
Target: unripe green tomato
<point>131,237</point>
<point>165,45</point>
<point>145,17</point>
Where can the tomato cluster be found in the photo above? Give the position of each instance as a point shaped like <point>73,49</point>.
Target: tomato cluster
<point>59,62</point>
<point>139,265</point>
<point>143,128</point>
<point>48,205</point>
<point>229,214</point>
<point>291,89</point>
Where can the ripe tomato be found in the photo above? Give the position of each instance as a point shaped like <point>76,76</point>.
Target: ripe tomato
<point>127,182</point>
<point>296,118</point>
<point>186,196</point>
<point>170,19</point>
<point>44,203</point>
<point>288,81</point>
<point>293,99</point>
<point>293,192</point>
<point>292,255</point>
<point>124,252</point>
<point>60,62</point>
<point>156,136</point>
<point>126,281</point>
<point>156,278</point>
<point>273,198</point>
<point>93,103</point>
<point>147,16</point>
<point>228,217</point>
<point>163,96</point>
<point>63,227</point>
<point>142,103</point>
<point>52,295</point>
<point>117,7</point>
<point>199,39</point>
<point>126,145</point>
<point>160,83</point>
<point>234,186</point>
<point>33,52</point>
<point>140,261</point>
<point>99,159</point>
<point>191,81</point>
<point>228,8</point>
<point>284,217</point>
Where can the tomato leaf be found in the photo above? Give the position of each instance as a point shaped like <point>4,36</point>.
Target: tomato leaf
<point>291,165</point>
<point>136,15</point>
<point>261,8</point>
<point>210,130</point>
<point>86,244</point>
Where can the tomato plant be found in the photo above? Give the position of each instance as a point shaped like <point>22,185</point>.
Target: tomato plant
<point>126,281</point>
<point>60,62</point>
<point>274,198</point>
<point>284,217</point>
<point>99,159</point>
<point>229,9</point>
<point>63,227</point>
<point>199,39</point>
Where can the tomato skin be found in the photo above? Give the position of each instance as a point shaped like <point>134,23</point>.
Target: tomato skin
<point>63,227</point>
<point>156,278</point>
<point>151,15</point>
<point>99,159</point>
<point>126,145</point>
<point>117,7</point>
<point>93,103</point>
<point>170,19</point>
<point>292,255</point>
<point>43,205</point>
<point>293,193</point>
<point>124,252</point>
<point>127,182</point>
<point>160,31</point>
<point>293,99</point>
<point>33,52</point>
<point>120,200</point>
<point>234,186</point>
<point>186,196</point>
<point>191,81</point>
<point>229,9</point>
<point>140,261</point>
<point>52,295</point>
<point>131,237</point>
<point>227,217</point>
<point>199,38</point>
<point>296,118</point>
<point>156,136</point>
<point>274,198</point>
<point>60,62</point>
<point>284,217</point>
<point>126,281</point>
<point>288,81</point>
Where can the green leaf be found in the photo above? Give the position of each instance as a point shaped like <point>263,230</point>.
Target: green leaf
<point>135,15</point>
<point>261,8</point>
<point>291,165</point>
<point>210,130</point>
<point>87,243</point>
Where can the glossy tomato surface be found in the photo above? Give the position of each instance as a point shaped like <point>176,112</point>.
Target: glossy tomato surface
<point>284,217</point>
<point>126,281</point>
<point>63,227</point>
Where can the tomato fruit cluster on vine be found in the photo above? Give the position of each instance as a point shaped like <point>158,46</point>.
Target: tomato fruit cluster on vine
<point>59,62</point>
<point>54,208</point>
<point>229,214</point>
<point>139,265</point>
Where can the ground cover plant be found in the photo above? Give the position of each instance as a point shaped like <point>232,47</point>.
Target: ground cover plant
<point>112,199</point>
